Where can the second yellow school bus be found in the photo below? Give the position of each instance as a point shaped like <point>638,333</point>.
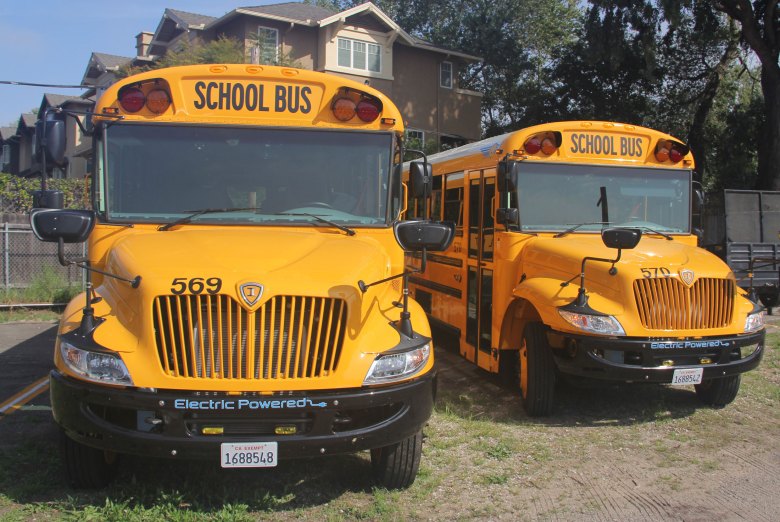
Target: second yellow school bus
<point>574,254</point>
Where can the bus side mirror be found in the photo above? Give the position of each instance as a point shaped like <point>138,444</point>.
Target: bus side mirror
<point>507,172</point>
<point>508,216</point>
<point>420,179</point>
<point>48,199</point>
<point>50,141</point>
<point>72,226</point>
<point>418,235</point>
<point>621,238</point>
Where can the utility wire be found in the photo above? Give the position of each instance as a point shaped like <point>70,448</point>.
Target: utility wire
<point>27,84</point>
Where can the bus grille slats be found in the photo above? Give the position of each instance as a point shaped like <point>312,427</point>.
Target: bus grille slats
<point>668,304</point>
<point>213,337</point>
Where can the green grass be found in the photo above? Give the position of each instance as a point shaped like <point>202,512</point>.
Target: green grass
<point>46,287</point>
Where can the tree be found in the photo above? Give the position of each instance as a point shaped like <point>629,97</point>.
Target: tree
<point>760,24</point>
<point>221,50</point>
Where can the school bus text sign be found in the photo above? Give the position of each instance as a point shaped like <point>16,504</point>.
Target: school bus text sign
<point>605,145</point>
<point>256,98</point>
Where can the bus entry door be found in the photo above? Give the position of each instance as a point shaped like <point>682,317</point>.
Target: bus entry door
<point>481,197</point>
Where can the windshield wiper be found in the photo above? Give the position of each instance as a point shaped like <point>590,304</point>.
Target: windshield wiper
<point>575,227</point>
<point>319,219</point>
<point>196,213</point>
<point>654,231</point>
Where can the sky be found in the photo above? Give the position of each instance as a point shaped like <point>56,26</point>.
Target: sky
<point>51,41</point>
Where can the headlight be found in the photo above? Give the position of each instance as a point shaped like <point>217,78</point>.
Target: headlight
<point>755,322</point>
<point>397,366</point>
<point>600,324</point>
<point>105,368</point>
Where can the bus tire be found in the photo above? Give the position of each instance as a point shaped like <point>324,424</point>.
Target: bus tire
<point>395,466</point>
<point>86,467</point>
<point>537,372</point>
<point>718,392</point>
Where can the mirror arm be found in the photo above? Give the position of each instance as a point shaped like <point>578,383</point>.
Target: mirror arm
<point>582,299</point>
<point>83,262</point>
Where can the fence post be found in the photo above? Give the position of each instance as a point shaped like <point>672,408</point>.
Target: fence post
<point>6,259</point>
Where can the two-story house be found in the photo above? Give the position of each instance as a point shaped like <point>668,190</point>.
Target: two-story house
<point>361,43</point>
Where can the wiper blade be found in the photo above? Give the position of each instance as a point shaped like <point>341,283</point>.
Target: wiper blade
<point>320,219</point>
<point>196,213</point>
<point>575,227</point>
<point>654,231</point>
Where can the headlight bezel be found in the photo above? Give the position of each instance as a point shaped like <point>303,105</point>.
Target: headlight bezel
<point>755,321</point>
<point>593,323</point>
<point>395,366</point>
<point>87,365</point>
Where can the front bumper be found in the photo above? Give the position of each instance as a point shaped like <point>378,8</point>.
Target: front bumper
<point>170,423</point>
<point>654,360</point>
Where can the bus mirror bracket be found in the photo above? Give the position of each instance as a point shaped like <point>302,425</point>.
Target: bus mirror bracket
<point>507,172</point>
<point>619,238</point>
<point>73,226</point>
<point>415,236</point>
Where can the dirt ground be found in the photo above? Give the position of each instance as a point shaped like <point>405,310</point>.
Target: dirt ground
<point>627,452</point>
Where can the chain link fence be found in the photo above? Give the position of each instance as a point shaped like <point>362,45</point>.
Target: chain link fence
<point>25,259</point>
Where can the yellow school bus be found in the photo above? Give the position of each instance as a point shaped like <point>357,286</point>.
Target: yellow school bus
<point>574,256</point>
<point>243,303</point>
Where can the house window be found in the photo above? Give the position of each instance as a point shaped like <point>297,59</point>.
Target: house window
<point>415,139</point>
<point>267,46</point>
<point>364,56</point>
<point>445,75</point>
<point>5,157</point>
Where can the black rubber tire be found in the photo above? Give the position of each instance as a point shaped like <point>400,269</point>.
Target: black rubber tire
<point>539,395</point>
<point>718,392</point>
<point>395,466</point>
<point>85,467</point>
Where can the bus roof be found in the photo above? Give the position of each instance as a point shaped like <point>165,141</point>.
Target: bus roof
<point>576,142</point>
<point>248,95</point>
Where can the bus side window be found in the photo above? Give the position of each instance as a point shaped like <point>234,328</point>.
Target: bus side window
<point>453,201</point>
<point>436,198</point>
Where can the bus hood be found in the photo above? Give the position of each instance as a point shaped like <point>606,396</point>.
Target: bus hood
<point>560,259</point>
<point>284,261</point>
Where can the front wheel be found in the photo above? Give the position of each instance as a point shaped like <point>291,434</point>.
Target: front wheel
<point>537,371</point>
<point>395,466</point>
<point>718,392</point>
<point>86,467</point>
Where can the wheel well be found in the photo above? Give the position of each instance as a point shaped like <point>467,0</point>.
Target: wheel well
<point>518,314</point>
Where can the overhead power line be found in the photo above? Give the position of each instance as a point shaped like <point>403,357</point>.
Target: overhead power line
<point>27,84</point>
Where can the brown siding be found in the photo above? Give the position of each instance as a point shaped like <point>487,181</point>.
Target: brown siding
<point>424,104</point>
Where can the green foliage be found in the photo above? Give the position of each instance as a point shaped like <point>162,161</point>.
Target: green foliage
<point>221,50</point>
<point>16,192</point>
<point>46,287</point>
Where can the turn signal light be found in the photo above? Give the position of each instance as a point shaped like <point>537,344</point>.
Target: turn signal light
<point>343,109</point>
<point>667,150</point>
<point>133,99</point>
<point>546,142</point>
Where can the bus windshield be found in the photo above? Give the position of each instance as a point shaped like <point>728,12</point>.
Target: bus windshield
<point>161,173</point>
<point>555,197</point>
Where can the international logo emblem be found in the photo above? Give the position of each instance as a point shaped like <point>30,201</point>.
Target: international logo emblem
<point>686,276</point>
<point>250,294</point>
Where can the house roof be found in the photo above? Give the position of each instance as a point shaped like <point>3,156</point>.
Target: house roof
<point>172,24</point>
<point>99,63</point>
<point>26,123</point>
<point>6,133</point>
<point>306,14</point>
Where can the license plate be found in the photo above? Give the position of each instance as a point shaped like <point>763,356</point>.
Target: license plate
<point>248,455</point>
<point>687,376</point>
